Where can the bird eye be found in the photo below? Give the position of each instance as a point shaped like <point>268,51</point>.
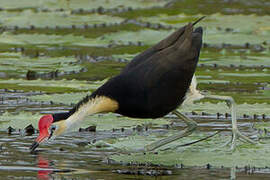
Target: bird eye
<point>52,129</point>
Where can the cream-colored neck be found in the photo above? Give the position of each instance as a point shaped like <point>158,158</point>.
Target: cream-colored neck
<point>99,104</point>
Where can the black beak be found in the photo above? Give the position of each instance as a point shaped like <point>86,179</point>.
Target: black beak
<point>34,146</point>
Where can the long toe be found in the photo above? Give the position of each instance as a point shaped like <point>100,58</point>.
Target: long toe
<point>236,134</point>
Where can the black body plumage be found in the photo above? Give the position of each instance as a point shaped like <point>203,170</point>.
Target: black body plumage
<point>155,82</point>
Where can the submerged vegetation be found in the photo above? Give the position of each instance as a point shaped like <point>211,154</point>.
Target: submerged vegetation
<point>54,52</point>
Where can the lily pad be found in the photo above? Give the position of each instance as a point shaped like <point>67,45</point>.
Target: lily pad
<point>231,29</point>
<point>147,36</point>
<point>65,98</point>
<point>124,56</point>
<point>51,86</point>
<point>236,60</point>
<point>42,40</point>
<point>16,64</point>
<point>200,154</point>
<point>19,121</point>
<point>195,7</point>
<point>111,121</point>
<point>19,4</point>
<point>29,18</point>
<point>81,4</point>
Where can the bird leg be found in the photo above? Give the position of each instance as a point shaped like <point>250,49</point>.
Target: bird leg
<point>188,130</point>
<point>236,134</point>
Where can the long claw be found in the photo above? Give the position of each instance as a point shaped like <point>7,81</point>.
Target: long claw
<point>238,135</point>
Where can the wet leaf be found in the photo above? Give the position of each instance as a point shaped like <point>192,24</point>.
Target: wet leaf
<point>81,4</point>
<point>29,18</point>
<point>64,86</point>
<point>16,63</point>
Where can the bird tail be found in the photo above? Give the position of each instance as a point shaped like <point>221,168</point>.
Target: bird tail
<point>185,40</point>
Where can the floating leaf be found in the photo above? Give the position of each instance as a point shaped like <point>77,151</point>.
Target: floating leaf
<point>81,4</point>
<point>29,18</point>
<point>15,63</point>
<point>200,154</point>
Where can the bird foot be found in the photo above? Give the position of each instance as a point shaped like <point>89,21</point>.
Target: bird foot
<point>236,134</point>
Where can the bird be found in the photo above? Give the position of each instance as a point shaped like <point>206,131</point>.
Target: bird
<point>155,83</point>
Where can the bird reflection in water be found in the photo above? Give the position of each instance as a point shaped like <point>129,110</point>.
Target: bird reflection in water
<point>44,164</point>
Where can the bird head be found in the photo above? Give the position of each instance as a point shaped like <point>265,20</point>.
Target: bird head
<point>44,124</point>
<point>47,129</point>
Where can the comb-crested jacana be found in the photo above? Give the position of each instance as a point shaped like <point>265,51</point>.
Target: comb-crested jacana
<point>152,85</point>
